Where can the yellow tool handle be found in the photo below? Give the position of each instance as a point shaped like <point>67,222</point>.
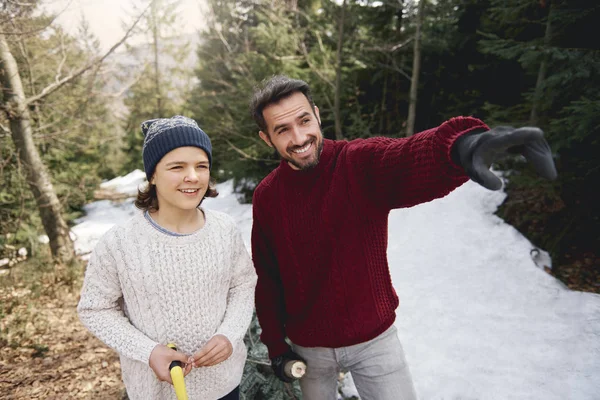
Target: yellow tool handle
<point>177,377</point>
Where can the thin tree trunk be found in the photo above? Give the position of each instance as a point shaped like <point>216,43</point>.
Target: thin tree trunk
<point>383,112</point>
<point>338,74</point>
<point>414,84</point>
<point>397,84</point>
<point>159,105</point>
<point>17,113</point>
<point>533,117</point>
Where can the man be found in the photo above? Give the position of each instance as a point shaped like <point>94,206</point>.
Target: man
<point>319,236</point>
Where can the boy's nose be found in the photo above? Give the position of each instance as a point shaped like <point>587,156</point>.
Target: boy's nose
<point>191,176</point>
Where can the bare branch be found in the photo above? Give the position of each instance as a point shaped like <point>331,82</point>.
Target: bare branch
<point>261,362</point>
<point>57,85</point>
<point>312,67</point>
<point>287,58</point>
<point>401,45</point>
<point>18,3</point>
<point>389,49</point>
<point>223,39</point>
<point>127,86</point>
<point>37,29</point>
<point>394,68</point>
<point>236,133</point>
<point>246,155</point>
<point>47,126</point>
<point>64,57</point>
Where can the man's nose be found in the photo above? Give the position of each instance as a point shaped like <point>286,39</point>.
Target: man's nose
<point>298,137</point>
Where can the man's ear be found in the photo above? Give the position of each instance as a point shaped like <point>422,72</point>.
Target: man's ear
<point>265,137</point>
<point>317,114</point>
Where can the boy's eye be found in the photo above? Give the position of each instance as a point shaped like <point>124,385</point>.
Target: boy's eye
<point>176,167</point>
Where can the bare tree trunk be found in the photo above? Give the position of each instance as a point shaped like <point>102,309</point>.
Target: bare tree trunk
<point>338,75</point>
<point>533,117</point>
<point>414,84</point>
<point>17,113</point>
<point>383,113</point>
<point>291,5</point>
<point>16,107</point>
<point>159,108</point>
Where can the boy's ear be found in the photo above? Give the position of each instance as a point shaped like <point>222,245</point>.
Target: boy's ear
<point>265,137</point>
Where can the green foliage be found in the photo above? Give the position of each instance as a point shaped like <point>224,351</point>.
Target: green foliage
<point>231,63</point>
<point>258,381</point>
<point>161,86</point>
<point>560,61</point>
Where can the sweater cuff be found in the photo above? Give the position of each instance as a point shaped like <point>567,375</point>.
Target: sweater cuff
<point>454,128</point>
<point>278,349</point>
<point>234,343</point>
<point>146,349</point>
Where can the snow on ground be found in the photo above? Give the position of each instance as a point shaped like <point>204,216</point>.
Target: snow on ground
<point>477,318</point>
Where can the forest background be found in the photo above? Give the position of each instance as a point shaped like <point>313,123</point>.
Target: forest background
<point>71,110</point>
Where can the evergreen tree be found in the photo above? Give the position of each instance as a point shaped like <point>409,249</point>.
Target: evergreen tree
<point>162,84</point>
<point>553,43</point>
<point>245,43</point>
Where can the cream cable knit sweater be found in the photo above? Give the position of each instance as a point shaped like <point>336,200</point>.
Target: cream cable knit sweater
<point>143,287</point>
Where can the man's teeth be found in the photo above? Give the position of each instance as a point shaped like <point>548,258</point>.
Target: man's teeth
<point>303,149</point>
<point>188,190</point>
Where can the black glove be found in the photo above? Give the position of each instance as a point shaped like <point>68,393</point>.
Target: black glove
<point>476,151</point>
<point>278,364</point>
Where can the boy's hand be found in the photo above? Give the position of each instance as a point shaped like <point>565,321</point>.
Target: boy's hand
<point>216,350</point>
<point>160,359</point>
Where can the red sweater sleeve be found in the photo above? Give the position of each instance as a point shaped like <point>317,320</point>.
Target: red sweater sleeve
<point>269,298</point>
<point>408,171</point>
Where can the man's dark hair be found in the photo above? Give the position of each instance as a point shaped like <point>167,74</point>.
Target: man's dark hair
<point>272,91</point>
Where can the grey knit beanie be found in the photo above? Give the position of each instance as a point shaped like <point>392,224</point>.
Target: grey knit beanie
<point>162,135</point>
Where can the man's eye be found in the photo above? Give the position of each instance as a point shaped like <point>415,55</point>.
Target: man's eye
<point>305,121</point>
<point>203,166</point>
<point>176,167</point>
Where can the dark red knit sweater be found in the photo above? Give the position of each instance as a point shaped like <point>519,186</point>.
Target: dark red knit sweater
<point>319,237</point>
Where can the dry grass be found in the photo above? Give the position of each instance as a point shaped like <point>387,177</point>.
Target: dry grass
<point>46,352</point>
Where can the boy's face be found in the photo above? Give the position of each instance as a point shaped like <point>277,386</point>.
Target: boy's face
<point>181,178</point>
<point>294,130</point>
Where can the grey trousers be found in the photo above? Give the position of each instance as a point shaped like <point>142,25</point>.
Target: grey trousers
<point>378,367</point>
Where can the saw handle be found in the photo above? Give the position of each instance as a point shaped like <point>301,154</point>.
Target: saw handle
<point>176,371</point>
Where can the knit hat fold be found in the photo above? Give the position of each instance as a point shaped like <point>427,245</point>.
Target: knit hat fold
<point>162,135</point>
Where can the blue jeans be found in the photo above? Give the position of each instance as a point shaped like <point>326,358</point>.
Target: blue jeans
<point>378,368</point>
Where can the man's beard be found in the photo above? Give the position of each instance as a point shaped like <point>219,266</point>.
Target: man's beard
<point>312,164</point>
